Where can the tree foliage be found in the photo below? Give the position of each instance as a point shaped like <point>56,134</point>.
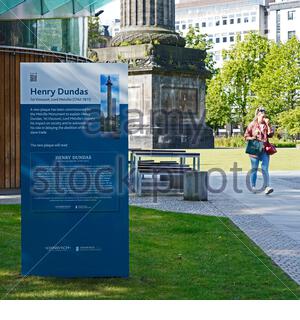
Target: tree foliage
<point>290,121</point>
<point>242,66</point>
<point>197,40</point>
<point>278,88</point>
<point>94,32</point>
<point>257,72</point>
<point>218,110</point>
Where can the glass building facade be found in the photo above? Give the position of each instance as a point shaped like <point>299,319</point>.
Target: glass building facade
<point>54,25</point>
<point>63,35</point>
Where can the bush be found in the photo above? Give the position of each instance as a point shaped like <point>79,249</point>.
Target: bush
<point>283,143</point>
<point>230,142</point>
<point>239,142</point>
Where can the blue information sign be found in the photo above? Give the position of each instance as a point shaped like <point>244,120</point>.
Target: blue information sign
<point>74,150</point>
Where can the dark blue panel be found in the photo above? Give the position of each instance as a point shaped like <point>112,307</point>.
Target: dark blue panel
<point>74,195</point>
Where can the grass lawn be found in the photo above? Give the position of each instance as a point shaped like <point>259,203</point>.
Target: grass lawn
<point>172,256</point>
<point>285,159</point>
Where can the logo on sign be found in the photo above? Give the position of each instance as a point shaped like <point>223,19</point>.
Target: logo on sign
<point>33,77</point>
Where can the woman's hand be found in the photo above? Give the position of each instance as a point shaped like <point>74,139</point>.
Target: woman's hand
<point>267,122</point>
<point>270,131</point>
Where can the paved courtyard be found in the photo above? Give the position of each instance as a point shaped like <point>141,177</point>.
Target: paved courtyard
<point>272,222</point>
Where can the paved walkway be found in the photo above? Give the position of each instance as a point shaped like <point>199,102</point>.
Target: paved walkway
<point>272,222</point>
<point>10,196</point>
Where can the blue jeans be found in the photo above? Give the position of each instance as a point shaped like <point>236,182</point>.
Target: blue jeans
<point>265,160</point>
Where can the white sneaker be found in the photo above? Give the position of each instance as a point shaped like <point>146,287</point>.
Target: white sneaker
<point>254,190</point>
<point>268,190</point>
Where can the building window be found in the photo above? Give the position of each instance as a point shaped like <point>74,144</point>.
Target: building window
<point>246,19</point>
<point>183,27</point>
<point>238,20</point>
<point>278,26</point>
<point>291,34</point>
<point>231,38</point>
<point>231,21</point>
<point>190,25</point>
<point>203,24</point>
<point>291,15</point>
<point>217,22</point>
<point>224,22</point>
<point>217,40</point>
<point>177,27</point>
<point>224,39</point>
<point>197,25</point>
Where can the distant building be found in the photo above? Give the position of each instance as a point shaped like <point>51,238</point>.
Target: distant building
<point>222,20</point>
<point>114,27</point>
<point>284,20</point>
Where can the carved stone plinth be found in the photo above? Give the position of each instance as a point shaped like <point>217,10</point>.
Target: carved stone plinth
<point>166,81</point>
<point>166,95</point>
<point>148,36</point>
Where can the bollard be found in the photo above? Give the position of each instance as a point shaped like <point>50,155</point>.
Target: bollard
<point>195,186</point>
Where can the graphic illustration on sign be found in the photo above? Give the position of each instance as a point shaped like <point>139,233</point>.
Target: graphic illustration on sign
<point>73,169</point>
<point>110,109</point>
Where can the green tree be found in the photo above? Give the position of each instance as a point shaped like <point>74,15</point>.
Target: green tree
<point>197,40</point>
<point>278,88</point>
<point>94,32</point>
<point>289,121</point>
<point>243,64</point>
<point>218,111</point>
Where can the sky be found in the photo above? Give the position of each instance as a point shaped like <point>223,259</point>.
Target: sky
<point>111,12</point>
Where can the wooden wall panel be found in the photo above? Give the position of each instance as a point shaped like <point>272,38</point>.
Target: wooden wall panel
<point>10,59</point>
<point>2,122</point>
<point>7,138</point>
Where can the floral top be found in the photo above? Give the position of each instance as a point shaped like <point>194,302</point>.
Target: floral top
<point>259,130</point>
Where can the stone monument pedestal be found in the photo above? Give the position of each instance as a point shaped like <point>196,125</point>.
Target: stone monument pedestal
<point>166,95</point>
<point>166,80</point>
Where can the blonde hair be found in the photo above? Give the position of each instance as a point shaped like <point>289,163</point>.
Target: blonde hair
<point>259,109</point>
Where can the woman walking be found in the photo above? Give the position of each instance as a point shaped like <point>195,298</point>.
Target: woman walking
<point>260,129</point>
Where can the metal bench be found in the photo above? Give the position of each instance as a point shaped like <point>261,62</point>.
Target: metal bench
<point>146,174</point>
